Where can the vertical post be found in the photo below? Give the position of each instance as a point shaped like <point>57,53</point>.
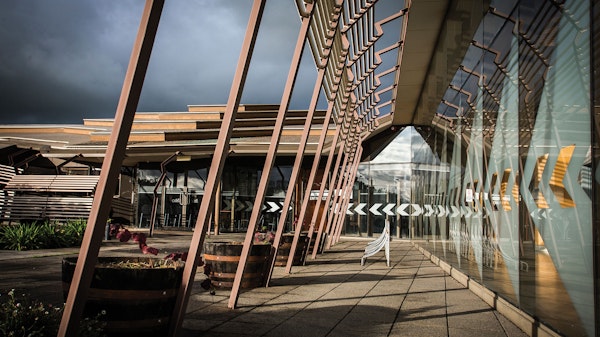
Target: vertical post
<point>217,164</point>
<point>111,167</point>
<point>272,151</point>
<point>217,209</point>
<point>163,174</point>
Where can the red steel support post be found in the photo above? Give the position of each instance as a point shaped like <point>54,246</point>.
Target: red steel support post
<point>322,190</point>
<point>298,228</point>
<point>111,167</point>
<point>347,190</point>
<point>294,175</point>
<point>337,177</point>
<point>272,152</point>
<point>339,202</point>
<point>217,164</point>
<point>332,25</point>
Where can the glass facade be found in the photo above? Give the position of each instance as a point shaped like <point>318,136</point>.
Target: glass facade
<point>501,185</point>
<point>178,196</point>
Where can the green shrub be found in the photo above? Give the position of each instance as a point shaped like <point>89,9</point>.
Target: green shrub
<point>28,236</point>
<point>22,236</point>
<point>73,232</point>
<point>51,237</point>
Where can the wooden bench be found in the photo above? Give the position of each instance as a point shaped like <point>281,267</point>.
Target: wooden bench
<point>6,174</point>
<point>40,183</point>
<point>28,207</point>
<point>47,197</point>
<point>383,241</point>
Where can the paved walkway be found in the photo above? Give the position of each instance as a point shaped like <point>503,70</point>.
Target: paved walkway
<point>330,296</point>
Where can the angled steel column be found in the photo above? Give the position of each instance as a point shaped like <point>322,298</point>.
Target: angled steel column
<point>313,173</point>
<point>111,167</point>
<point>337,176</point>
<point>294,174</point>
<point>322,190</point>
<point>346,194</point>
<point>342,196</point>
<point>332,23</point>
<point>311,177</point>
<point>216,167</point>
<point>272,152</point>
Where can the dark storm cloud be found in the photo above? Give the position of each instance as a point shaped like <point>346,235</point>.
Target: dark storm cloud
<point>65,60</point>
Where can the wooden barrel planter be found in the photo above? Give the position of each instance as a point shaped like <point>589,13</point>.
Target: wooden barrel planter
<point>137,301</point>
<point>321,244</point>
<point>285,246</point>
<point>223,257</point>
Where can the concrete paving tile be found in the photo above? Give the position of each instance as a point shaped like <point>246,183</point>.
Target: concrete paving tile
<point>250,328</point>
<point>511,329</point>
<point>199,325</point>
<point>370,330</point>
<point>475,319</point>
<point>269,318</point>
<point>417,330</point>
<point>466,332</point>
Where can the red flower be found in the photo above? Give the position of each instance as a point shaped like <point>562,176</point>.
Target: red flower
<point>148,250</point>
<point>124,235</point>
<point>139,237</point>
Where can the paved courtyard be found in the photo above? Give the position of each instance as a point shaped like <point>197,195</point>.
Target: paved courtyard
<point>330,296</point>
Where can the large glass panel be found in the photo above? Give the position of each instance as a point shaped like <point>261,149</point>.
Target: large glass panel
<point>501,186</point>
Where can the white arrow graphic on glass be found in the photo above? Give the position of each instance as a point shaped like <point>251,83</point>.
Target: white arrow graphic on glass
<point>401,209</point>
<point>240,205</point>
<point>466,211</point>
<point>429,210</point>
<point>348,211</point>
<point>374,208</point>
<point>227,205</point>
<point>274,206</point>
<point>442,211</point>
<point>455,212</point>
<point>358,209</point>
<point>417,208</point>
<point>388,209</point>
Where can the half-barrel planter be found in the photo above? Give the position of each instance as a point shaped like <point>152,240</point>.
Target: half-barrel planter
<point>285,246</point>
<point>224,257</point>
<point>137,299</point>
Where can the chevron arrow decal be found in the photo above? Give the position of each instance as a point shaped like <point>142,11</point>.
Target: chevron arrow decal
<point>388,209</point>
<point>402,210</point>
<point>429,209</point>
<point>274,207</point>
<point>358,209</point>
<point>374,208</point>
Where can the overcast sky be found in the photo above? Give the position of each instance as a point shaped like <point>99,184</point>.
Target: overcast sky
<point>64,60</point>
